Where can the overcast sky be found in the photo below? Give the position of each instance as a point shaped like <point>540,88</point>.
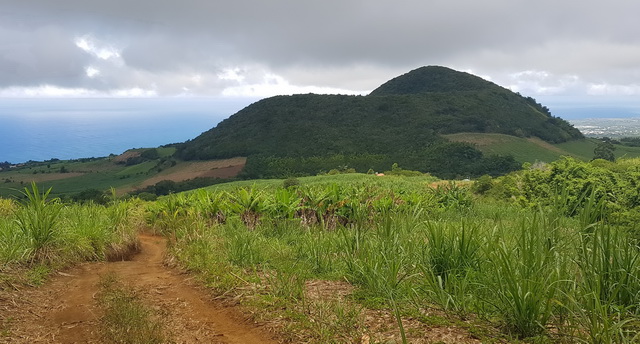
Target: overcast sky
<point>256,48</point>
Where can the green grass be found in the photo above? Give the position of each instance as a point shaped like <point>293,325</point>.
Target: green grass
<point>583,149</point>
<point>524,150</point>
<point>43,231</point>
<point>521,149</point>
<point>100,181</point>
<point>141,168</point>
<point>127,320</point>
<point>37,220</point>
<point>165,152</point>
<point>406,249</point>
<point>391,182</point>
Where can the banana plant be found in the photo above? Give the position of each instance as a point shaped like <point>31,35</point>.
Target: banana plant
<point>284,204</point>
<point>249,204</point>
<point>209,205</point>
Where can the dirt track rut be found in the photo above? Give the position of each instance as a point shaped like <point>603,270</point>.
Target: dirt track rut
<point>66,310</point>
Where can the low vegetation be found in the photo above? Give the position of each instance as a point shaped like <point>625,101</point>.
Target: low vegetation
<point>41,234</point>
<point>546,254</point>
<point>560,264</point>
<point>127,319</point>
<point>92,179</point>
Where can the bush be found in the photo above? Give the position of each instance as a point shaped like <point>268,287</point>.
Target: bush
<point>147,196</point>
<point>150,154</point>
<point>91,195</point>
<point>290,182</point>
<point>482,185</point>
<point>397,171</point>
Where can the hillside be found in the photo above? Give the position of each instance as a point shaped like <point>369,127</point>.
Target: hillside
<point>401,121</point>
<point>533,149</point>
<point>135,170</point>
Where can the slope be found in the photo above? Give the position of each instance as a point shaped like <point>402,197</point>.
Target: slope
<point>533,149</point>
<point>407,113</point>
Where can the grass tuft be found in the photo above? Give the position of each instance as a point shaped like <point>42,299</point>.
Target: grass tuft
<point>127,320</point>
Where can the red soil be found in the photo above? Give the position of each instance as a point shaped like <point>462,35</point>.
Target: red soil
<point>66,310</point>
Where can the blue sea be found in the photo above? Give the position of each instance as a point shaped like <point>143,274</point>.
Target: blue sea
<point>42,129</point>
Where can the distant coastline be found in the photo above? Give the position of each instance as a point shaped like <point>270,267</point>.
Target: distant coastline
<point>42,129</point>
<point>609,127</point>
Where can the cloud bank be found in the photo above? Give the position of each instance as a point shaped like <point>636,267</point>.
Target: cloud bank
<point>157,48</point>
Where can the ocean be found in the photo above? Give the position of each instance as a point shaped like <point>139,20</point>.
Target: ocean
<point>42,129</point>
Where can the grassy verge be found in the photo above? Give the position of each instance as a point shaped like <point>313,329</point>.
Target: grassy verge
<point>410,260</point>
<point>41,234</point>
<point>127,320</point>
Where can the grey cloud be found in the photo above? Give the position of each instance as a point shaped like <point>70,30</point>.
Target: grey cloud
<point>353,44</point>
<point>45,55</point>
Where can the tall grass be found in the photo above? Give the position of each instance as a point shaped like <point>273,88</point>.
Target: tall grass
<point>14,246</point>
<point>37,219</point>
<point>608,297</point>
<point>40,230</point>
<point>448,259</point>
<point>531,272</point>
<point>7,207</point>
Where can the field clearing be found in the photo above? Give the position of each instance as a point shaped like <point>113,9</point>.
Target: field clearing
<point>143,167</point>
<point>45,177</point>
<point>534,149</point>
<point>226,168</point>
<point>131,153</point>
<point>389,181</point>
<point>105,173</point>
<point>522,149</point>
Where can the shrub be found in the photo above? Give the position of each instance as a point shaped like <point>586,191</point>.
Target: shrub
<point>91,195</point>
<point>482,185</point>
<point>290,182</point>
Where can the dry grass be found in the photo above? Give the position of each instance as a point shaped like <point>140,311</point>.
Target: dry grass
<point>126,155</point>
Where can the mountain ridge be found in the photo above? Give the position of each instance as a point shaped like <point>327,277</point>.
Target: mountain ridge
<point>406,116</point>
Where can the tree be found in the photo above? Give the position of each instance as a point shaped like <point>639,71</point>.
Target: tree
<point>94,195</point>
<point>150,154</point>
<point>604,150</point>
<point>165,187</point>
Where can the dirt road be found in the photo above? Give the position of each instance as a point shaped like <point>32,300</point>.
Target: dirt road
<point>66,310</point>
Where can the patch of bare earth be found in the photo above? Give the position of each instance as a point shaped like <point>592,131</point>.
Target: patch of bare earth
<point>66,309</point>
<point>126,155</point>
<point>226,168</point>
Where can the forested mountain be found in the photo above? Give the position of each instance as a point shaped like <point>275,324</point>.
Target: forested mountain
<point>401,121</point>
